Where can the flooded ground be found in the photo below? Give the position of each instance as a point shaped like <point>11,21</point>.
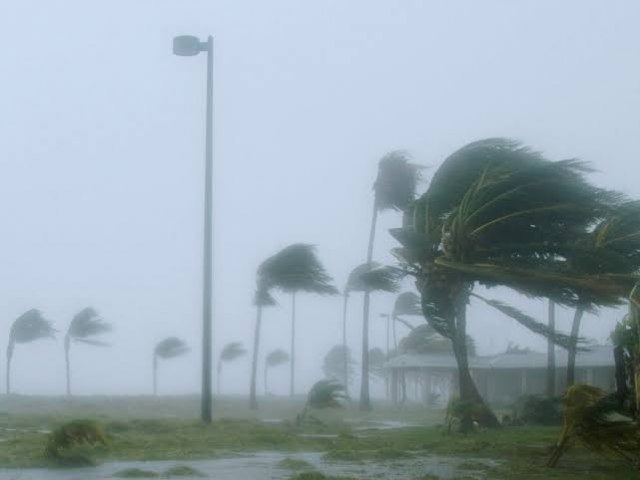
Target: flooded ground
<point>266,465</point>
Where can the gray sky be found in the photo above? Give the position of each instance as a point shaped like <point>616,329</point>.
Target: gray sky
<point>101,155</point>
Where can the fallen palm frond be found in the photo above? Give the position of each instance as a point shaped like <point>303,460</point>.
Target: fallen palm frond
<point>588,419</point>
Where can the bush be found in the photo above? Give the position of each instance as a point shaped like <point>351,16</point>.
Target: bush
<point>539,410</point>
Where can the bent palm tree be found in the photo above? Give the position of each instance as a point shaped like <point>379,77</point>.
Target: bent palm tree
<point>28,327</point>
<point>323,394</point>
<point>261,299</point>
<point>170,347</point>
<point>497,213</point>
<point>366,277</point>
<point>230,352</point>
<point>394,189</point>
<point>294,269</point>
<point>274,359</point>
<point>84,326</point>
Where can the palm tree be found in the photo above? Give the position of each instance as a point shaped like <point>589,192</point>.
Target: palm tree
<point>230,352</point>
<point>497,213</point>
<point>84,326</point>
<point>170,347</point>
<point>323,394</point>
<point>333,364</point>
<point>394,189</point>
<point>28,327</point>
<point>295,269</point>
<point>261,299</point>
<point>274,358</point>
<point>367,277</point>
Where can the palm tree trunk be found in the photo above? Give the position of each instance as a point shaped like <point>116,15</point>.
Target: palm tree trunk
<point>266,386</point>
<point>468,390</point>
<point>67,344</point>
<point>551,353</point>
<point>253,401</point>
<point>345,367</point>
<point>386,376</point>
<point>10,348</point>
<point>219,372</point>
<point>573,346</point>
<point>292,365</point>
<point>155,375</point>
<point>365,401</point>
<point>395,338</point>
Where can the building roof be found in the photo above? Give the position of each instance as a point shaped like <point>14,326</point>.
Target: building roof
<point>598,356</point>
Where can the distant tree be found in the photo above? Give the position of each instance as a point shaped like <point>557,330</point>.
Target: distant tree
<point>231,351</point>
<point>274,359</point>
<point>394,189</point>
<point>323,394</point>
<point>367,278</point>
<point>170,347</point>
<point>28,327</point>
<point>262,298</point>
<point>406,304</point>
<point>84,327</point>
<point>423,339</point>
<point>377,359</point>
<point>295,269</point>
<point>333,365</point>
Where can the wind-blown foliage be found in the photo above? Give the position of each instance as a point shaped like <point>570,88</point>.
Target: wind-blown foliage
<point>499,214</point>
<point>323,394</point>
<point>587,419</point>
<point>28,327</point>
<point>397,180</point>
<point>425,340</point>
<point>373,278</point>
<point>333,364</point>
<point>84,327</point>
<point>170,347</point>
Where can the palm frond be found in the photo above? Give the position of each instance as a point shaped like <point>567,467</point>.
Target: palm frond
<point>87,323</point>
<point>326,394</point>
<point>263,298</point>
<point>31,326</point>
<point>231,351</point>
<point>170,347</point>
<point>396,183</point>
<point>373,277</point>
<point>407,303</point>
<point>277,357</point>
<point>296,268</point>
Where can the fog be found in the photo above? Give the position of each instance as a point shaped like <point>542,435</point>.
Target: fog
<point>102,146</point>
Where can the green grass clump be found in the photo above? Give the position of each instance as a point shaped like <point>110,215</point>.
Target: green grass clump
<point>295,464</point>
<point>135,473</point>
<point>316,476</point>
<point>182,471</point>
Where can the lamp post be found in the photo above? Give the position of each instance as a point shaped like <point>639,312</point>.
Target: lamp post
<point>186,46</point>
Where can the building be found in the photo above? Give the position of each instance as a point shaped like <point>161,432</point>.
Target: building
<point>501,379</point>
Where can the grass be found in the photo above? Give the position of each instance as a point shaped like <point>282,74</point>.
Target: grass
<point>146,428</point>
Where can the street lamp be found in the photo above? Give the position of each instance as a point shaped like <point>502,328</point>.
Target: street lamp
<point>187,46</point>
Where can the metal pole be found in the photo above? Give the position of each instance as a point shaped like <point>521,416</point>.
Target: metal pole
<point>208,234</point>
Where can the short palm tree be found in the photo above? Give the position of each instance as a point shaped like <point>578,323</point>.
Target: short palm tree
<point>295,269</point>
<point>498,213</point>
<point>262,298</point>
<point>274,359</point>
<point>28,327</point>
<point>366,278</point>
<point>170,347</point>
<point>230,352</point>
<point>84,327</point>
<point>323,394</point>
<point>394,189</point>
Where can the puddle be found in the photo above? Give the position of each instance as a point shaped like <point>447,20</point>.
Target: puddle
<point>265,466</point>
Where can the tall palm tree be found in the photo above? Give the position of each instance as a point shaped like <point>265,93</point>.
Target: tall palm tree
<point>394,189</point>
<point>230,352</point>
<point>261,299</point>
<point>295,269</point>
<point>274,359</point>
<point>84,327</point>
<point>498,213</point>
<point>28,327</point>
<point>170,347</point>
<point>367,277</point>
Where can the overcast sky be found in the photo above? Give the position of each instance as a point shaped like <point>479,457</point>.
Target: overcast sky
<point>102,145</point>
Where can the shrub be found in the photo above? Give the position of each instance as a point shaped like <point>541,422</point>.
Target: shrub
<point>539,410</point>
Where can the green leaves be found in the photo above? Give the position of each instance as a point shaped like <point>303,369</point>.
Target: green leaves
<point>277,357</point>
<point>407,303</point>
<point>326,394</point>
<point>85,324</point>
<point>232,351</point>
<point>395,185</point>
<point>170,347</point>
<point>373,277</point>
<point>295,268</point>
<point>31,326</point>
